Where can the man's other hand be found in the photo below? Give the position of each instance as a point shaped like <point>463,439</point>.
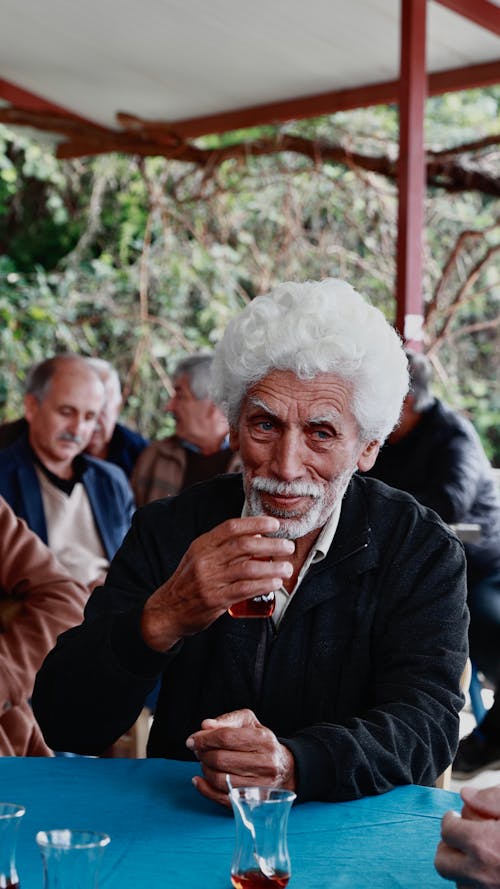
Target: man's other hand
<point>237,744</point>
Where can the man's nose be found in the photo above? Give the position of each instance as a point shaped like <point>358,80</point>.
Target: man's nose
<point>287,457</point>
<point>76,425</point>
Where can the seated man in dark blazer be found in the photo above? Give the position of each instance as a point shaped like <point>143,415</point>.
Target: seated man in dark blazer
<point>110,439</point>
<point>80,506</point>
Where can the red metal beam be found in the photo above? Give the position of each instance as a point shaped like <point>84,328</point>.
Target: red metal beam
<point>338,100</point>
<point>411,172</point>
<point>481,12</point>
<point>385,93</point>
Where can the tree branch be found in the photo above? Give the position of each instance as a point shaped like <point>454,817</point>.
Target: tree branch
<point>157,139</point>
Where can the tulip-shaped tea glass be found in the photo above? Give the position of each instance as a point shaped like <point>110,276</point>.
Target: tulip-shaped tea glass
<point>260,855</point>
<point>71,858</point>
<point>258,606</point>
<point>11,815</point>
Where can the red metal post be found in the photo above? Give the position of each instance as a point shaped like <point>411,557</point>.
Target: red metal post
<point>411,179</point>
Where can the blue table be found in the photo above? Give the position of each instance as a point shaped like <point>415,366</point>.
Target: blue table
<point>165,836</point>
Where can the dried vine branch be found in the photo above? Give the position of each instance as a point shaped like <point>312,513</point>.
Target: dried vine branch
<point>469,234</point>
<point>145,138</point>
<point>463,294</point>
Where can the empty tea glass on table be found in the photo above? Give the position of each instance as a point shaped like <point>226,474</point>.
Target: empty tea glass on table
<point>71,858</point>
<point>260,855</point>
<point>11,815</point>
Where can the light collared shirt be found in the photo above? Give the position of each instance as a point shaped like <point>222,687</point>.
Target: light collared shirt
<point>316,554</point>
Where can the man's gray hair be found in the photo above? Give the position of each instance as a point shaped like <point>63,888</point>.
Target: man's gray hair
<point>420,370</point>
<point>107,374</point>
<point>39,376</point>
<point>312,328</point>
<point>198,369</point>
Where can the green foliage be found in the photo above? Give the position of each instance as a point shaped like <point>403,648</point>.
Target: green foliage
<point>141,261</point>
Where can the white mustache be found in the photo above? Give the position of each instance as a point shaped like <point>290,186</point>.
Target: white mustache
<point>68,436</point>
<point>287,489</point>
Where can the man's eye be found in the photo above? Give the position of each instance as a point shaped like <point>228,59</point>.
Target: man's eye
<point>265,425</point>
<point>323,434</point>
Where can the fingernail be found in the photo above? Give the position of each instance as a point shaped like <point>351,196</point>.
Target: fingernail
<point>190,743</point>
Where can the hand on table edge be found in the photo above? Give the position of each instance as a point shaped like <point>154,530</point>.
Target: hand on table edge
<point>238,744</point>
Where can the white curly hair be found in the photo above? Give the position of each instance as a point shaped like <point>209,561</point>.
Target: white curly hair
<point>311,328</point>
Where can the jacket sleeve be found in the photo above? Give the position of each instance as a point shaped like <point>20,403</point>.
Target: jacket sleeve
<point>83,702</point>
<point>39,601</point>
<point>405,731</point>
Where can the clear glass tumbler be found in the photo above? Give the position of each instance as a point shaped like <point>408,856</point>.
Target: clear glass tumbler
<point>71,858</point>
<point>260,855</point>
<point>11,815</point>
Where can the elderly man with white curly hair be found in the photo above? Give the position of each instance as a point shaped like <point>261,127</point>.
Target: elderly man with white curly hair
<point>308,625</point>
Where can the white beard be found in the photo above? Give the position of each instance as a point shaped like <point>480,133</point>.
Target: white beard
<point>324,500</point>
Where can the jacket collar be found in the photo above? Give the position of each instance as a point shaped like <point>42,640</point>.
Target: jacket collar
<point>353,538</point>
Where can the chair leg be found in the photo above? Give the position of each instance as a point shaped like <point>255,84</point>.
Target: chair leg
<point>476,699</point>
<point>444,780</point>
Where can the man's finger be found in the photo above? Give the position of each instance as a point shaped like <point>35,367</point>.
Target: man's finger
<point>232,719</point>
<point>449,862</point>
<point>206,789</point>
<point>485,801</point>
<point>248,740</point>
<point>241,527</point>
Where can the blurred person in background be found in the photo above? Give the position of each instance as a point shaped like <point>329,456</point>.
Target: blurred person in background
<point>435,454</point>
<point>110,439</point>
<point>81,507</point>
<point>38,600</point>
<point>198,450</point>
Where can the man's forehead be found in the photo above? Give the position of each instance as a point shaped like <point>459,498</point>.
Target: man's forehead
<point>68,385</point>
<point>326,392</point>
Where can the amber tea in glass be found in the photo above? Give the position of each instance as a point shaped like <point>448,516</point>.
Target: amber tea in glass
<point>260,856</point>
<point>258,606</point>
<point>11,815</point>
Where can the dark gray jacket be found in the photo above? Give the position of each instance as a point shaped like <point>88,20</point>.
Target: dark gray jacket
<point>443,464</point>
<point>361,680</point>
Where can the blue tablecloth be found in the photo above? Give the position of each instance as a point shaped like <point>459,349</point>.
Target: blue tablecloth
<point>163,834</point>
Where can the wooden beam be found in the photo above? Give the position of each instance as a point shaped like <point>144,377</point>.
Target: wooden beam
<point>481,12</point>
<point>411,172</point>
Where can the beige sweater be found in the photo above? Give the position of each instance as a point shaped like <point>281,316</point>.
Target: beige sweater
<point>72,533</point>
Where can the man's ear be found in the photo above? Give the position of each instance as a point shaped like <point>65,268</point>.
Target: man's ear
<point>234,439</point>
<point>368,456</point>
<point>31,405</point>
